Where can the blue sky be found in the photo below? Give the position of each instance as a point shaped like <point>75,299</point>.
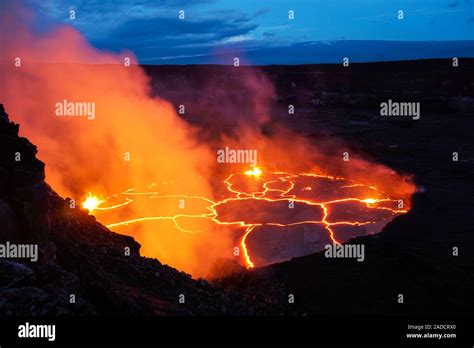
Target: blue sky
<point>260,31</point>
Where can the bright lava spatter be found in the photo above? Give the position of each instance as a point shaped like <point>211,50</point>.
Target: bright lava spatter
<point>91,202</point>
<point>375,202</point>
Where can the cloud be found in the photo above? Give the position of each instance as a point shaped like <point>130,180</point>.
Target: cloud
<point>260,12</point>
<point>152,28</point>
<point>96,17</point>
<point>161,34</point>
<point>166,35</point>
<point>153,31</point>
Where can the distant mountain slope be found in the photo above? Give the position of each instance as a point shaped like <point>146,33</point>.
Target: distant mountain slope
<point>319,52</point>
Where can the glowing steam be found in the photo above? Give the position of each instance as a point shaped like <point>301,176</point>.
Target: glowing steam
<point>133,140</point>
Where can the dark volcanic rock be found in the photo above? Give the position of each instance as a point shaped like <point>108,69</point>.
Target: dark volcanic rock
<point>413,255</point>
<point>81,261</point>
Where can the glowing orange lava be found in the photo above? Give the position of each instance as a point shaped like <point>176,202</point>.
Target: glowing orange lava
<point>91,202</point>
<point>255,171</point>
<point>270,191</point>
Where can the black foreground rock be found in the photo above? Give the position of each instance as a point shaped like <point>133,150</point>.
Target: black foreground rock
<point>78,256</point>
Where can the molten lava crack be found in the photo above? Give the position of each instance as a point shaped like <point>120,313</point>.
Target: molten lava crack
<point>256,201</point>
